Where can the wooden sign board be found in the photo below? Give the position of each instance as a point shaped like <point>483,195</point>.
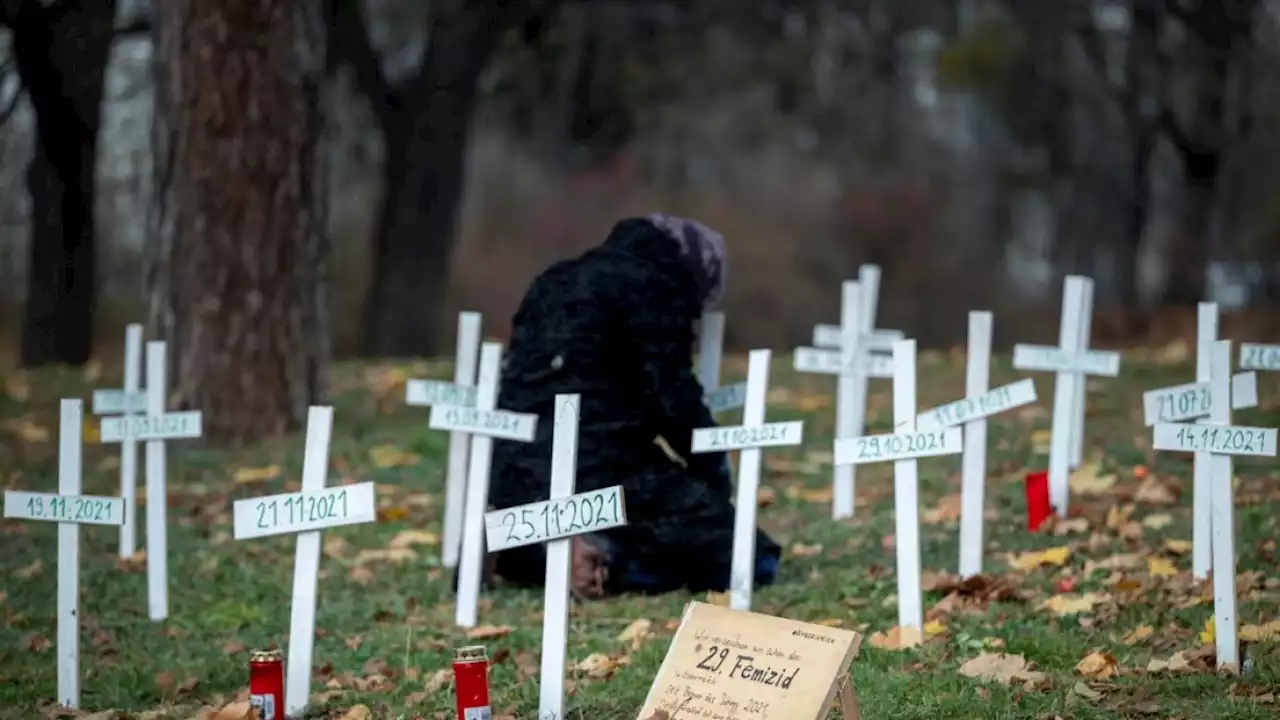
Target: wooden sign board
<point>726,663</point>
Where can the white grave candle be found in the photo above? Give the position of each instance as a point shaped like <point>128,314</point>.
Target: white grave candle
<point>1070,365</point>
<point>306,514</point>
<point>750,437</point>
<point>486,424</point>
<point>904,448</point>
<point>1254,356</point>
<point>69,509</point>
<point>1220,441</point>
<point>459,392</point>
<point>128,401</point>
<point>155,428</point>
<point>1192,401</point>
<point>710,355</point>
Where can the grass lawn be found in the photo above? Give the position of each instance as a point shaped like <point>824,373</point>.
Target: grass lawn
<point>385,630</point>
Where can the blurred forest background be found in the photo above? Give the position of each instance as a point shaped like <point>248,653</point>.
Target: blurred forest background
<point>978,150</point>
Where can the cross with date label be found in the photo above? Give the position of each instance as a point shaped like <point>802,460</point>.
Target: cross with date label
<point>710,351</point>
<point>460,392</point>
<point>972,412</point>
<point>853,364</point>
<point>155,427</point>
<point>484,423</point>
<point>129,400</point>
<point>305,514</point>
<point>1071,361</point>
<point>750,437</point>
<point>554,522</point>
<point>1256,356</point>
<point>70,510</point>
<point>1220,440</point>
<point>904,447</point>
<point>1192,402</point>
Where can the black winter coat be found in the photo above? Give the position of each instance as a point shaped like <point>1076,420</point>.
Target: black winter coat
<point>616,325</point>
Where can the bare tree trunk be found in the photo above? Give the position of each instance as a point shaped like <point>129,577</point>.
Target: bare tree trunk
<point>61,55</point>
<point>238,248</point>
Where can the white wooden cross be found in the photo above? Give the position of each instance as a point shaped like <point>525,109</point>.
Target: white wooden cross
<point>750,437</point>
<point>710,353</point>
<point>555,522</point>
<point>1192,401</point>
<point>484,422</point>
<point>129,400</point>
<point>828,336</point>
<point>460,392</point>
<point>1220,440</point>
<point>70,510</point>
<point>155,427</point>
<point>1255,356</point>
<point>306,514</point>
<point>1071,361</point>
<point>904,447</point>
<point>853,364</point>
<point>972,411</point>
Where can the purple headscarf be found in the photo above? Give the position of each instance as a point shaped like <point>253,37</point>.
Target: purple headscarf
<point>703,248</point>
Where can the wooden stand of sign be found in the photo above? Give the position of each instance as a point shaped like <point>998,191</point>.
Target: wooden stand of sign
<point>726,663</point>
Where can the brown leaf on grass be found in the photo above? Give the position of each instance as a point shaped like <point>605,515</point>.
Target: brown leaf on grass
<point>1178,547</point>
<point>354,642</point>
<point>636,633</point>
<point>234,647</point>
<point>1089,480</point>
<point>1183,661</point>
<point>599,666</point>
<point>1072,604</point>
<point>1026,561</point>
<point>819,495</point>
<point>390,456</point>
<point>248,475</point>
<point>1266,632</point>
<point>238,710</point>
<point>766,496</point>
<point>38,643</point>
<point>393,555</point>
<point>1160,567</point>
<point>137,562</point>
<point>802,550</point>
<point>1157,521</point>
<point>1071,526</point>
<point>1001,667</point>
<point>947,510</point>
<point>360,575</point>
<point>1154,492</point>
<point>27,572</point>
<point>358,712</point>
<point>717,598</point>
<point>1138,634</point>
<point>489,632</point>
<point>17,387</point>
<point>1098,665</point>
<point>897,638</point>
<point>409,538</point>
<point>392,514</point>
<point>1083,690</point>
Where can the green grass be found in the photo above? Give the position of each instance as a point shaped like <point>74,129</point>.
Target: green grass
<point>394,619</point>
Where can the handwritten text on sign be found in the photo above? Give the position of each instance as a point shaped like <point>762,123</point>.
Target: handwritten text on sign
<point>300,512</point>
<point>438,392</point>
<point>1052,359</point>
<point>1259,357</point>
<point>726,664</point>
<point>726,398</point>
<point>1005,397</point>
<point>899,446</point>
<point>170,426</point>
<point>80,509</point>
<point>814,360</point>
<point>494,423</point>
<point>718,439</point>
<point>1220,439</point>
<point>117,402</point>
<point>542,521</point>
<point>1190,401</point>
<point>829,336</point>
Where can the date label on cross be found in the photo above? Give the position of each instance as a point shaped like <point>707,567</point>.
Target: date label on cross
<point>548,520</point>
<point>289,513</point>
<point>1216,439</point>
<point>51,507</point>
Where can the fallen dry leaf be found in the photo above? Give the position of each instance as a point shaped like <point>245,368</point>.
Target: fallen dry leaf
<point>1178,547</point>
<point>934,627</point>
<point>635,633</point>
<point>1086,480</point>
<point>1208,635</point>
<point>1082,690</point>
<point>1154,492</point>
<point>1138,634</point>
<point>1267,632</point>
<point>802,550</point>
<point>238,710</point>
<point>1098,665</point>
<point>390,456</point>
<point>409,538</point>
<point>1157,521</point>
<point>358,712</point>
<point>717,598</point>
<point>489,632</point>
<point>1000,667</point>
<point>947,510</point>
<point>1072,604</point>
<point>1040,440</point>
<point>27,572</point>
<point>1037,558</point>
<point>766,496</point>
<point>245,476</point>
<point>896,638</point>
<point>395,555</point>
<point>1160,567</point>
<point>392,514</point>
<point>600,666</point>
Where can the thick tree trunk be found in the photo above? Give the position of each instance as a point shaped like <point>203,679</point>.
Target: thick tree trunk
<point>238,274</point>
<point>61,56</point>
